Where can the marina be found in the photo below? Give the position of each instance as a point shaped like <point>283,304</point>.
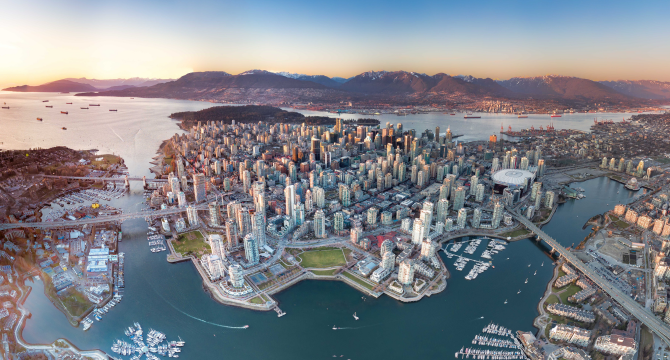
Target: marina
<point>505,340</point>
<point>155,344</point>
<point>494,246</point>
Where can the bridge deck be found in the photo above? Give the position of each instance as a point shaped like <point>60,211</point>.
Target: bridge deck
<point>633,307</point>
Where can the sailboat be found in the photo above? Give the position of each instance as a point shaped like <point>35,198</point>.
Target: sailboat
<point>518,292</point>
<point>526,281</point>
<point>505,301</point>
<point>355,317</point>
<point>535,273</point>
<point>542,264</point>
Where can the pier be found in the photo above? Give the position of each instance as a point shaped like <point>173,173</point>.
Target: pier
<point>279,312</point>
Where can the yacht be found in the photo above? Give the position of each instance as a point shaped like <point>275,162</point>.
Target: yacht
<point>334,327</point>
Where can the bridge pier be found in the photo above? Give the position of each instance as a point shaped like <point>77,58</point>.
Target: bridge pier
<point>127,183</point>
<point>144,181</point>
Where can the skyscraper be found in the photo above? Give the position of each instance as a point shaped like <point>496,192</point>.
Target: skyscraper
<point>479,193</point>
<point>289,195</point>
<point>442,210</point>
<point>474,181</point>
<point>462,217</point>
<point>258,228</point>
<point>497,215</point>
<point>338,221</point>
<point>319,224</point>
<point>476,218</point>
<point>214,213</point>
<point>417,232</point>
<point>181,199</point>
<point>459,198</point>
<point>192,215</point>
<point>236,276</point>
<point>372,215</point>
<point>199,188</point>
<point>231,233</point>
<point>251,249</point>
<point>174,183</point>
<point>406,272</point>
<point>427,215</point>
<point>428,248</point>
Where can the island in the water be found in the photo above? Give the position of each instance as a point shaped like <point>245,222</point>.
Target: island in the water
<point>257,113</point>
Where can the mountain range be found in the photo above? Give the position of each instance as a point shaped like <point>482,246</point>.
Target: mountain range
<point>262,85</point>
<point>84,84</point>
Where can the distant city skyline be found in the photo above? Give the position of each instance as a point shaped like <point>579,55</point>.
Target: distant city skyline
<point>595,40</point>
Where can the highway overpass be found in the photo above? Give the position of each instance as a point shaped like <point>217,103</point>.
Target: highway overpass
<point>644,315</point>
<point>103,178</point>
<point>98,220</point>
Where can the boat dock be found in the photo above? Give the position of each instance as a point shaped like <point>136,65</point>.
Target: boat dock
<point>280,313</point>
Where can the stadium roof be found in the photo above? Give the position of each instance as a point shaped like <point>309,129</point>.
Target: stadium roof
<point>512,177</point>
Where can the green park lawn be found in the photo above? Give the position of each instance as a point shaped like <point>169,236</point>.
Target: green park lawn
<point>515,233</point>
<point>571,290</point>
<point>257,300</point>
<point>324,272</point>
<point>191,243</point>
<point>358,280</point>
<point>322,258</point>
<point>552,299</point>
<point>75,302</point>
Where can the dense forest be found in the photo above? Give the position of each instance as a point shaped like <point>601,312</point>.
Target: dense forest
<point>256,113</point>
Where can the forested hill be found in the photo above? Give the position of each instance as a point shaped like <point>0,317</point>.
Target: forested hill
<point>255,113</point>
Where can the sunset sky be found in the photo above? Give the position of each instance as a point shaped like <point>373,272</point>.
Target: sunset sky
<point>41,41</point>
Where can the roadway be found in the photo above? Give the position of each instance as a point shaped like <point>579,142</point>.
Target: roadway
<point>100,219</point>
<point>633,307</point>
<point>102,178</point>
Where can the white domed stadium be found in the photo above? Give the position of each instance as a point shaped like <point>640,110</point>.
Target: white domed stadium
<point>512,178</point>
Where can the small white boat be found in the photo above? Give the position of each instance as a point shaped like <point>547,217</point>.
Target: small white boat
<point>526,281</point>
<point>505,301</point>
<point>355,317</point>
<point>518,292</point>
<point>542,264</point>
<point>334,327</point>
<point>535,273</point>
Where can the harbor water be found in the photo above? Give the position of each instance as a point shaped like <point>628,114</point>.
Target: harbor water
<point>170,297</point>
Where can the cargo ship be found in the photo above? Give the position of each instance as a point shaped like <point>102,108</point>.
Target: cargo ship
<point>555,115</point>
<point>45,100</point>
<point>64,112</point>
<point>112,109</point>
<point>93,104</point>
<point>84,108</point>
<point>472,117</point>
<point>49,106</point>
<point>64,128</point>
<point>68,103</point>
<point>5,107</point>
<point>39,119</point>
<point>522,116</point>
